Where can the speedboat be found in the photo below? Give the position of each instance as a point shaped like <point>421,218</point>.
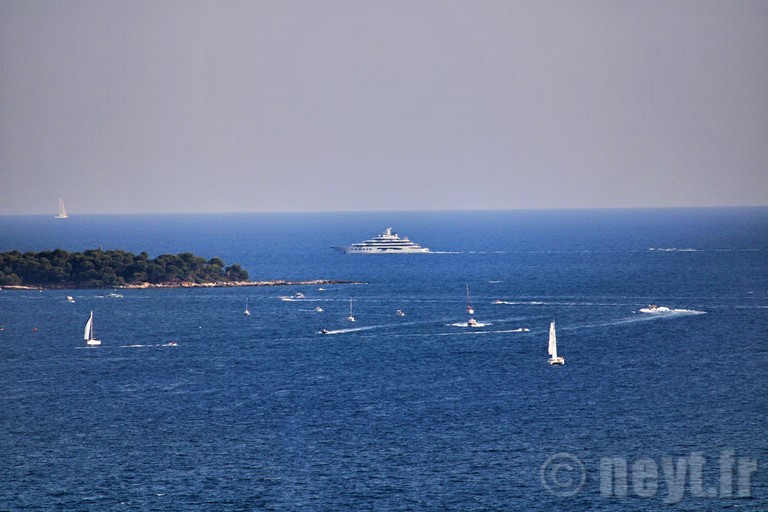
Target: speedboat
<point>653,308</point>
<point>384,243</point>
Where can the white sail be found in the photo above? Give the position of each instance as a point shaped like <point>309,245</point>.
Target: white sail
<point>62,211</point>
<point>351,317</point>
<point>552,341</point>
<point>88,334</point>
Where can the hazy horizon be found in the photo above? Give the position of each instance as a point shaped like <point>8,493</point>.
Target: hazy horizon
<point>398,212</point>
<point>341,106</point>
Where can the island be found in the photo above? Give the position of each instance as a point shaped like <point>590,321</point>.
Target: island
<point>96,268</point>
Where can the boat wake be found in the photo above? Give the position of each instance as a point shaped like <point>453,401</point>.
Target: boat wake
<point>672,249</point>
<point>675,313</point>
<point>483,332</point>
<point>665,311</point>
<point>465,324</point>
<point>169,344</point>
<point>519,303</point>
<point>353,329</point>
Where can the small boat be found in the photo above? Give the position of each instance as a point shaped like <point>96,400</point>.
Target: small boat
<point>399,312</point>
<point>295,296</point>
<point>318,309</point>
<point>324,331</point>
<point>62,211</point>
<point>351,317</point>
<point>88,335</point>
<point>114,295</point>
<point>555,359</point>
<point>247,312</point>
<point>653,308</point>
<point>70,299</point>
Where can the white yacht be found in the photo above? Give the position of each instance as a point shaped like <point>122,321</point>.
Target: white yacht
<point>385,243</point>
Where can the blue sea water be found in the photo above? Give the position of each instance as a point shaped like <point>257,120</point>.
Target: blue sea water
<point>397,413</point>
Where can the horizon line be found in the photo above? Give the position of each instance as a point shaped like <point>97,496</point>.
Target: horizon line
<point>436,210</point>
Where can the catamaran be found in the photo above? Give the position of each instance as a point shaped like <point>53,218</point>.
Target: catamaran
<point>88,335</point>
<point>555,359</point>
<point>62,211</point>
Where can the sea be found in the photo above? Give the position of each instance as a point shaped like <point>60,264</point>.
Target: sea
<point>190,405</point>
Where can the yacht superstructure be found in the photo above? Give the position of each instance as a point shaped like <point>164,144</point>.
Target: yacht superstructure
<point>384,243</point>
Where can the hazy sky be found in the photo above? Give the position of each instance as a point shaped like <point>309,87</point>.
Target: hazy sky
<point>184,106</point>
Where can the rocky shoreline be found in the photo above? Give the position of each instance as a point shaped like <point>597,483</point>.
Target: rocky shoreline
<point>220,284</point>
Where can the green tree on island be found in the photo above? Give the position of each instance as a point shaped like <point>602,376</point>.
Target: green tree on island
<point>95,268</point>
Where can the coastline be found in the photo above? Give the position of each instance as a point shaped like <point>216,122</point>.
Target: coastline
<point>220,284</point>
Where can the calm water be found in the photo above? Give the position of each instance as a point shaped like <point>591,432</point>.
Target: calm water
<point>389,413</point>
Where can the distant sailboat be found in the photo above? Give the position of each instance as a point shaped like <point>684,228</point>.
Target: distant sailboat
<point>471,322</point>
<point>351,318</point>
<point>89,337</point>
<point>62,211</point>
<point>555,359</point>
<point>70,299</point>
<point>247,312</point>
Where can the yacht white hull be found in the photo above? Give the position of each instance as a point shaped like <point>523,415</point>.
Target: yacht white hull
<point>350,249</point>
<point>93,342</point>
<point>384,243</point>
<point>559,360</point>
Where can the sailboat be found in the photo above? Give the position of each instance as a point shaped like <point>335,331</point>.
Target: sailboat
<point>555,359</point>
<point>89,339</point>
<point>471,322</point>
<point>247,312</point>
<point>351,318</point>
<point>62,211</point>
